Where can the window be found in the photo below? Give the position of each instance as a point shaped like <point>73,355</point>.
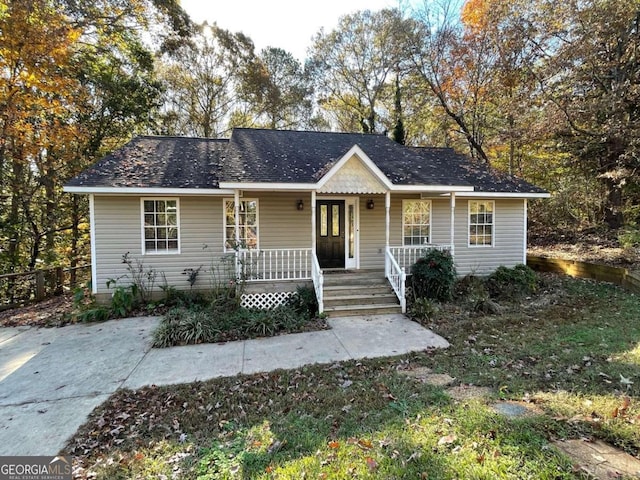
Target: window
<point>481,223</point>
<point>161,230</point>
<point>416,222</point>
<point>248,224</point>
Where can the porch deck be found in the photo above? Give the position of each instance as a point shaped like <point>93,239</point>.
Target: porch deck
<point>338,291</point>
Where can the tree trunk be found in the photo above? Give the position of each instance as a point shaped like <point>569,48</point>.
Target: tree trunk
<point>613,188</point>
<point>613,204</point>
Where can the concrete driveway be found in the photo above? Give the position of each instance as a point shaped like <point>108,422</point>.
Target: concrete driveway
<point>51,379</point>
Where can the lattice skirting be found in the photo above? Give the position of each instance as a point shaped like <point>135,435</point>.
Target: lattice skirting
<point>265,301</point>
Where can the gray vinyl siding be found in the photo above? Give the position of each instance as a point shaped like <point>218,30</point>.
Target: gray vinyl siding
<point>282,225</point>
<point>118,231</point>
<point>372,234</point>
<point>508,249</point>
<point>372,226</point>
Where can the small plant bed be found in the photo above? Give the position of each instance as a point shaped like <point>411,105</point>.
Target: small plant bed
<point>504,290</point>
<point>570,352</point>
<point>218,317</point>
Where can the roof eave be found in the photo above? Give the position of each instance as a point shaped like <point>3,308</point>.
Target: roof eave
<point>458,189</point>
<point>480,194</point>
<point>145,190</point>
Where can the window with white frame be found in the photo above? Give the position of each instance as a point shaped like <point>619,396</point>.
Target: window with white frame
<point>416,222</point>
<point>160,223</point>
<point>481,221</point>
<point>248,224</point>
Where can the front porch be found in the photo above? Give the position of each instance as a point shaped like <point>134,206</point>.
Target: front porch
<point>272,273</point>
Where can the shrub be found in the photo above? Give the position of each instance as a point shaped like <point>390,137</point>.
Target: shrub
<point>510,283</point>
<point>203,324</point>
<point>96,313</point>
<point>471,288</point>
<point>629,237</point>
<point>434,276</point>
<point>422,309</point>
<point>304,302</point>
<point>182,327</point>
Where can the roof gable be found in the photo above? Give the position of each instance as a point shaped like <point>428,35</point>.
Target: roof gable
<point>354,173</point>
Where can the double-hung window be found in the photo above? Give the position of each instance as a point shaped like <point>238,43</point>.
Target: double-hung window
<point>160,225</point>
<point>416,222</point>
<point>248,224</point>
<point>481,223</point>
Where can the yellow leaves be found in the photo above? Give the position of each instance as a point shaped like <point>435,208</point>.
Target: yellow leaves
<point>475,14</point>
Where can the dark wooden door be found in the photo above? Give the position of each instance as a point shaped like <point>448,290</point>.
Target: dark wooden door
<point>330,233</point>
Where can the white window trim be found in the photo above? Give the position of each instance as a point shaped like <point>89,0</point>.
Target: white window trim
<point>142,242</point>
<point>493,224</point>
<point>406,200</point>
<point>224,221</point>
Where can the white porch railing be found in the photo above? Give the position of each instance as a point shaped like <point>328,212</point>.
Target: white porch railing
<point>275,264</point>
<point>396,276</point>
<point>407,255</point>
<point>318,281</point>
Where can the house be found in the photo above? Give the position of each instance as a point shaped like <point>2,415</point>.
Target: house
<point>298,206</point>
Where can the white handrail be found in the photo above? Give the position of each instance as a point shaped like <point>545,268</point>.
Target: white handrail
<point>318,280</point>
<point>397,278</point>
<point>407,255</point>
<point>275,264</point>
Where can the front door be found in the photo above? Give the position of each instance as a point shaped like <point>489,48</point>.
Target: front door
<point>330,232</point>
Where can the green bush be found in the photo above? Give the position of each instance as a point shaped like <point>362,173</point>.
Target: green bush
<point>471,288</point>
<point>203,324</point>
<point>96,313</point>
<point>304,302</point>
<point>510,283</point>
<point>629,237</point>
<point>422,309</point>
<point>434,276</point>
<point>180,326</point>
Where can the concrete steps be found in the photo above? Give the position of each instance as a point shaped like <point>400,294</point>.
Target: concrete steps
<point>358,293</point>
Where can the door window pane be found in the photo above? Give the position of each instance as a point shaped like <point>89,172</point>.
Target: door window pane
<point>335,220</point>
<point>323,220</point>
<point>352,233</point>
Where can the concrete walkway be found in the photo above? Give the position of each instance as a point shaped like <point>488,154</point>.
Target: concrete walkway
<point>51,379</point>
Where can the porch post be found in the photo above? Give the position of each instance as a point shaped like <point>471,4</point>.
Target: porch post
<point>387,207</point>
<point>236,211</point>
<point>313,221</point>
<point>236,208</point>
<point>452,204</point>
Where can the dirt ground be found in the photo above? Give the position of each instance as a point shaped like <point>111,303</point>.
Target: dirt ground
<point>53,312</point>
<point>584,246</point>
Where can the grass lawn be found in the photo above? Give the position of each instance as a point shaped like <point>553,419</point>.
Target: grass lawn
<point>572,352</point>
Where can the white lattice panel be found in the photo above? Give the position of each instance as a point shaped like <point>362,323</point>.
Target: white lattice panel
<point>265,301</point>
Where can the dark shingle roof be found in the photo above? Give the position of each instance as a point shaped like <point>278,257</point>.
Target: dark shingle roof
<point>481,176</point>
<point>304,157</point>
<point>166,162</point>
<point>281,156</point>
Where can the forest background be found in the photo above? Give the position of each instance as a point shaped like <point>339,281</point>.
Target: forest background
<point>546,90</point>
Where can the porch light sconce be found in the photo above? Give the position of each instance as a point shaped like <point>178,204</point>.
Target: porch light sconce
<point>370,204</point>
<point>300,205</point>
